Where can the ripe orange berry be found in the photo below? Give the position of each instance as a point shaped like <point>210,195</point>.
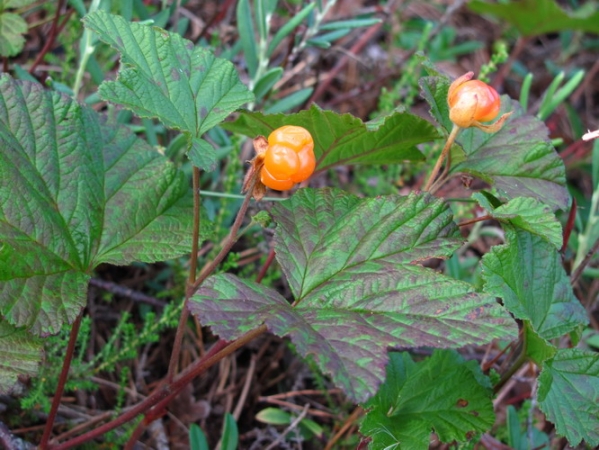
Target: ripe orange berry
<point>289,158</point>
<point>472,101</point>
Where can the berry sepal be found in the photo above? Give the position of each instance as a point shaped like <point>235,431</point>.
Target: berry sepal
<point>252,177</point>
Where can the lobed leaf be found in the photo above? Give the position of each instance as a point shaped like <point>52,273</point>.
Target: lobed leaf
<point>353,267</point>
<point>344,139</point>
<point>569,395</point>
<point>442,393</point>
<point>527,273</point>
<point>75,191</point>
<point>166,77</point>
<point>528,214</point>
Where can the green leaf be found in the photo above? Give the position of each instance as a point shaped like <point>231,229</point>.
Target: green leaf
<point>344,139</point>
<point>268,80</point>
<point>353,267</point>
<point>15,3</point>
<point>163,75</point>
<point>527,273</point>
<point>197,438</point>
<point>274,416</point>
<point>531,215</point>
<point>286,29</point>
<point>441,393</point>
<point>76,190</point>
<point>247,35</point>
<point>291,101</point>
<point>352,23</point>
<point>434,91</point>
<point>20,354</point>
<point>536,17</point>
<point>537,348</point>
<point>569,395</point>
<point>230,438</point>
<point>202,154</point>
<point>12,28</point>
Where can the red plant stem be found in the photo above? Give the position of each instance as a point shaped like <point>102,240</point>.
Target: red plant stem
<point>134,436</point>
<point>193,285</point>
<point>477,219</point>
<point>230,241</point>
<point>267,263</point>
<point>62,380</point>
<point>193,264</point>
<point>165,393</point>
<point>52,36</point>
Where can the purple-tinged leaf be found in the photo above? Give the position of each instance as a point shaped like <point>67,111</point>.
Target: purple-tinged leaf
<point>353,265</point>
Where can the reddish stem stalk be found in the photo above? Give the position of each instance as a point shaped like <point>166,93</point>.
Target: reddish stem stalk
<point>62,380</point>
<point>165,393</point>
<point>52,36</point>
<point>193,264</point>
<point>267,263</point>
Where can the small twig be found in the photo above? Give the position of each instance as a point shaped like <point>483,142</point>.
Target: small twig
<point>163,395</point>
<point>305,392</point>
<point>246,388</point>
<point>356,48</point>
<point>229,242</point>
<point>312,412</point>
<point>117,289</point>
<point>516,365</point>
<point>10,441</point>
<point>193,263</point>
<point>291,427</point>
<point>348,423</point>
<point>587,258</point>
<point>62,380</point>
<point>52,35</point>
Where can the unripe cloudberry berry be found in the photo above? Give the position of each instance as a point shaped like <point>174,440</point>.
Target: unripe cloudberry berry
<point>289,158</point>
<point>472,102</point>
